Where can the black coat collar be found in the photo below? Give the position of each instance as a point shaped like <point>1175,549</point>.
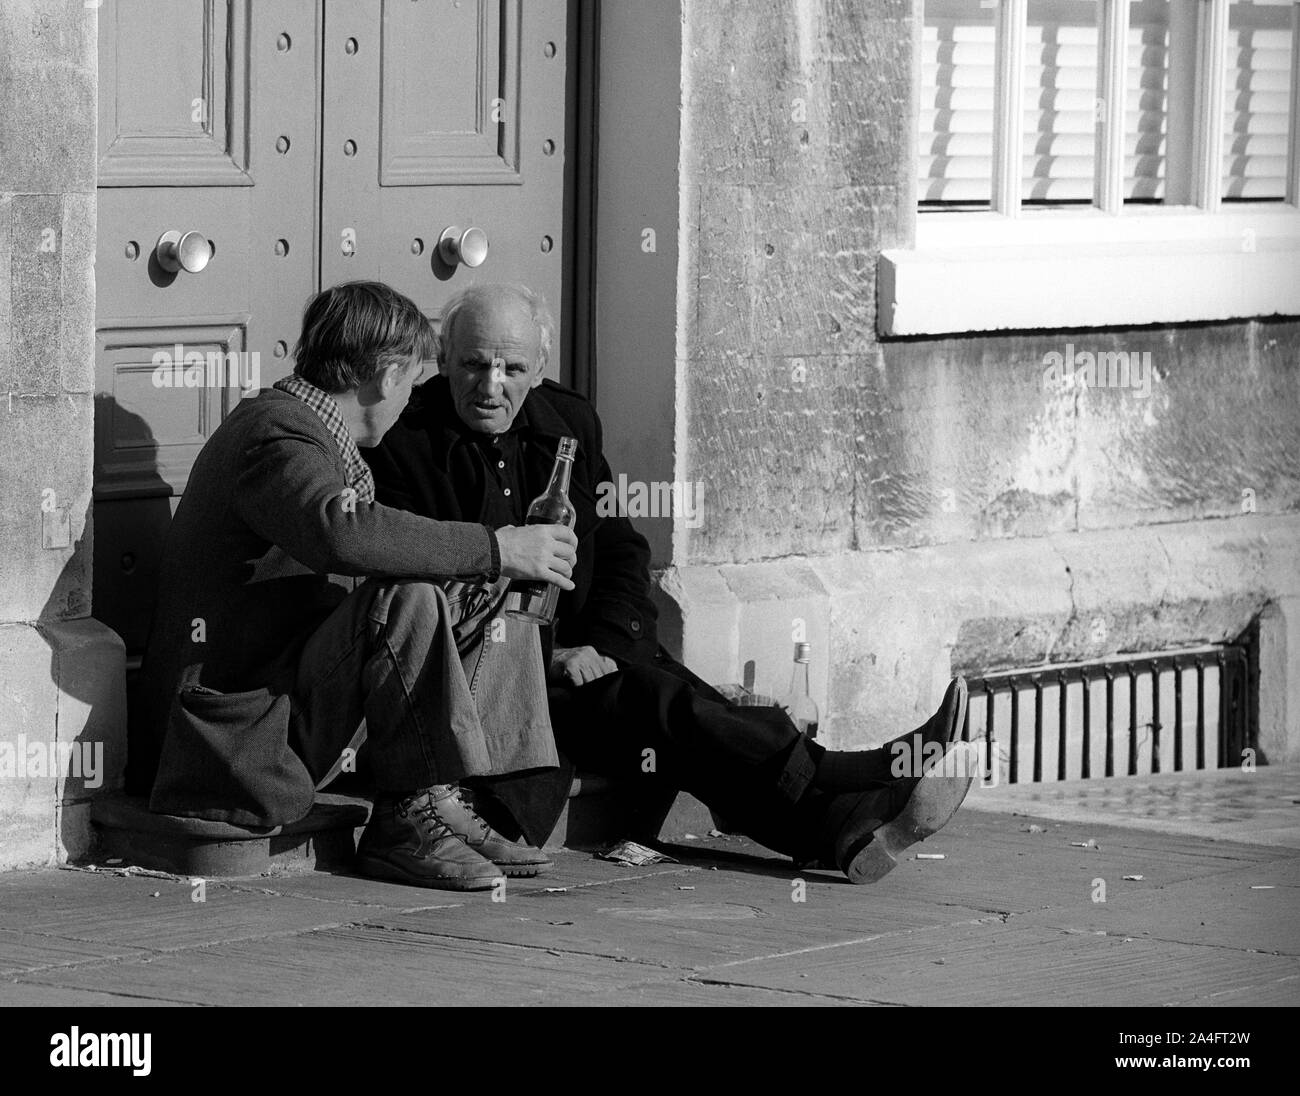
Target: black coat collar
<point>538,423</point>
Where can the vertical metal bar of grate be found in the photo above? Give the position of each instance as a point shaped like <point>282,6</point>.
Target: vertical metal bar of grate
<point>1178,717</point>
<point>988,729</point>
<point>1223,708</point>
<point>1015,732</point>
<point>1132,719</point>
<point>1110,720</point>
<point>1087,724</point>
<point>1155,716</point>
<point>1038,730</point>
<point>1060,728</point>
<point>1234,723</point>
<point>1200,712</point>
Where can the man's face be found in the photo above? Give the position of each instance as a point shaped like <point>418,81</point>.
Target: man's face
<point>403,381</point>
<point>383,400</point>
<point>493,362</point>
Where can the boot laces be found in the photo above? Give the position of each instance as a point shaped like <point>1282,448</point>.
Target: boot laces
<point>424,811</point>
<point>466,800</point>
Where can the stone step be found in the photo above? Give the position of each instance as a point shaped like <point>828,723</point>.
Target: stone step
<point>325,840</point>
<point>129,831</point>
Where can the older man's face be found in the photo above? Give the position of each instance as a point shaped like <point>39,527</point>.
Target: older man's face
<point>493,362</point>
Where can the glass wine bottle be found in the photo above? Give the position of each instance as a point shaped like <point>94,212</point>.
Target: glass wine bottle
<point>535,600</point>
<point>799,703</point>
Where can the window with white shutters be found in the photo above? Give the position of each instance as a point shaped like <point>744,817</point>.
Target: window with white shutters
<point>1257,125</point>
<point>956,114</point>
<point>1094,163</point>
<point>1058,58</point>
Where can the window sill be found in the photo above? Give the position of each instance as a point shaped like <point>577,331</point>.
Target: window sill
<point>1083,268</point>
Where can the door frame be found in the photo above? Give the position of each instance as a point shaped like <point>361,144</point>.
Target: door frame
<point>582,137</point>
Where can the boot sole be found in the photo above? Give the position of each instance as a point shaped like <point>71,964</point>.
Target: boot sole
<point>930,807</point>
<point>382,869</point>
<point>524,871</point>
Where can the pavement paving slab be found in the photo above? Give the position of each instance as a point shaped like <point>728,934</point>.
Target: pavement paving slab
<point>375,965</point>
<point>1230,910</point>
<point>709,917</point>
<point>27,951</point>
<point>154,913</point>
<point>1009,916</point>
<point>1010,964</point>
<point>1260,805</point>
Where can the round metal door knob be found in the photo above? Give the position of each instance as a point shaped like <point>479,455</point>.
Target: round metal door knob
<point>190,252</point>
<point>469,247</point>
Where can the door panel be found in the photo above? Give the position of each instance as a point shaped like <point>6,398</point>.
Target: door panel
<point>173,103</point>
<point>473,135</point>
<point>152,428</point>
<point>443,116</point>
<point>311,142</point>
<point>208,123</point>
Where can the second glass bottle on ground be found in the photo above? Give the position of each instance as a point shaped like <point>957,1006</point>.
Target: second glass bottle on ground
<point>798,702</point>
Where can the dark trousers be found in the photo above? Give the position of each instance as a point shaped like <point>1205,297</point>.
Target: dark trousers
<point>659,729</point>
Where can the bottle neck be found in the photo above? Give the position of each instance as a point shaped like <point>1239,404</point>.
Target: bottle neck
<point>560,474</point>
<point>799,679</point>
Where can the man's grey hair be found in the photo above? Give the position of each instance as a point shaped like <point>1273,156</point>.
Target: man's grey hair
<point>475,295</point>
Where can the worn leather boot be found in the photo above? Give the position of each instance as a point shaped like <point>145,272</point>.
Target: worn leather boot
<point>457,809</point>
<point>945,726</point>
<point>408,841</point>
<point>871,835</point>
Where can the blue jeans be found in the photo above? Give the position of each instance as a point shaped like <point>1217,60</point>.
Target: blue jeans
<point>433,677</point>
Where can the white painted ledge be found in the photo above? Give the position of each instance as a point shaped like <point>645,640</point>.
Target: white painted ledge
<point>984,272</point>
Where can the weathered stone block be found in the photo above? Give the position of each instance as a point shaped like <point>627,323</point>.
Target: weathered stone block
<point>7,373</point>
<point>781,603</point>
<point>36,237</point>
<point>62,735</point>
<point>36,290</point>
<point>1217,436</point>
<point>772,440</point>
<point>1279,680</point>
<point>76,834</point>
<point>38,583</point>
<point>958,439</point>
<point>48,70</point>
<point>809,93</point>
<point>28,727</point>
<point>699,621</point>
<point>789,270</point>
<point>77,316</point>
<point>973,437</point>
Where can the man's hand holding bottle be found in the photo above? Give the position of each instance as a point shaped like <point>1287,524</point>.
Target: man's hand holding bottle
<point>545,553</point>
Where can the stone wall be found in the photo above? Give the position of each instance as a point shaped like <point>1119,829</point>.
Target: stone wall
<point>61,673</point>
<point>923,504</point>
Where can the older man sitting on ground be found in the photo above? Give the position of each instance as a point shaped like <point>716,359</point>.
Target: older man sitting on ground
<point>477,445</point>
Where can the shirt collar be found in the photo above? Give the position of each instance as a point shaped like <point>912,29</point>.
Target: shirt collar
<point>358,473</point>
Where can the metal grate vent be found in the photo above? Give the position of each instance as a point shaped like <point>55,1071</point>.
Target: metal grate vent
<point>1132,716</point>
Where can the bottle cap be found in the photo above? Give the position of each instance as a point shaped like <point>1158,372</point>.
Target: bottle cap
<point>802,651</point>
<point>568,447</point>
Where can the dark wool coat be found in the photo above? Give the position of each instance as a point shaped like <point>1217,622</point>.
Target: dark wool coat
<point>428,463</point>
<point>245,579</point>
